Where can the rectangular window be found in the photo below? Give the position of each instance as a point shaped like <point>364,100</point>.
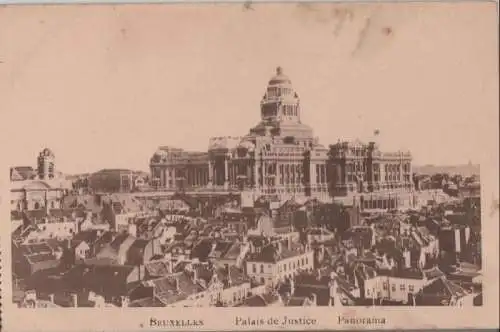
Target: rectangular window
<point>411,288</point>
<point>385,286</point>
<point>393,287</point>
<point>254,269</point>
<point>402,287</point>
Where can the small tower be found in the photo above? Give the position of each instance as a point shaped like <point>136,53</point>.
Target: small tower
<point>45,163</point>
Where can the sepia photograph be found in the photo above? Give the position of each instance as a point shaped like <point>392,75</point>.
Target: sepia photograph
<point>226,158</point>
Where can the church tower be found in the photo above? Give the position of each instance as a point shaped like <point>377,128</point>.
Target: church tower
<point>46,169</point>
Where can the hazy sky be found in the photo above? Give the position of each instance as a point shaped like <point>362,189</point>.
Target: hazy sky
<point>104,86</point>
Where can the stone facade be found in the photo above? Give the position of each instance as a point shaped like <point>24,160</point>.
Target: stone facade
<point>376,179</point>
<point>280,158</point>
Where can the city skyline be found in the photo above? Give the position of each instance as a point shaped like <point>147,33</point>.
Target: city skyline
<point>116,96</point>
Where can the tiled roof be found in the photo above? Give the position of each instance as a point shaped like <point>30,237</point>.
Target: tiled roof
<point>88,236</point>
<point>39,258</point>
<point>442,286</point>
<point>36,248</point>
<point>110,280</point>
<point>433,272</point>
<point>22,173</point>
<point>173,289</point>
<point>16,215</point>
<point>86,202</point>
<point>262,300</point>
<point>203,272</point>
<point>365,272</point>
<point>120,239</point>
<point>157,268</point>
<point>272,254</point>
<point>181,266</point>
<point>404,274</point>
<point>135,253</point>
<point>234,251</point>
<point>464,266</point>
<point>319,231</point>
<point>148,302</point>
<point>147,225</point>
<point>298,301</point>
<point>35,214</point>
<point>220,249</point>
<point>254,301</point>
<point>271,298</point>
<point>235,275</point>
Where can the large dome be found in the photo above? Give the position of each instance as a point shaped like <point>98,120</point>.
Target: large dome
<point>279,78</point>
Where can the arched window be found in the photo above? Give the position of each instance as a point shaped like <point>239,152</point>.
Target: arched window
<point>37,206</point>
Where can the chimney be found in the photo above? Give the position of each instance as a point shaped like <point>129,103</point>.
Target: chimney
<point>170,267</point>
<point>314,299</point>
<point>286,297</point>
<point>292,285</point>
<point>386,261</point>
<point>177,285</point>
<point>51,298</point>
<point>229,279</point>
<point>407,258</point>
<point>124,301</point>
<point>280,247</point>
<point>289,243</point>
<point>195,275</point>
<point>74,300</point>
<point>58,253</point>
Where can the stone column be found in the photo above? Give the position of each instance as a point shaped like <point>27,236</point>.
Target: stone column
<point>277,180</point>
<point>166,177</point>
<point>264,175</point>
<point>401,173</point>
<point>226,173</point>
<point>312,175</point>
<point>255,174</point>
<point>162,177</point>
<point>210,173</point>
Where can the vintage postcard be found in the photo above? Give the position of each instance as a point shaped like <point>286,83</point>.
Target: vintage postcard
<point>249,166</point>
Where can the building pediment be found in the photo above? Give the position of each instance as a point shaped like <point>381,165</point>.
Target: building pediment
<point>37,185</point>
<point>30,185</point>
